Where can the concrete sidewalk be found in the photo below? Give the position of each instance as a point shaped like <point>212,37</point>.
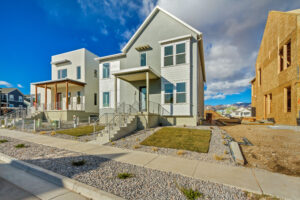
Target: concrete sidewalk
<point>32,187</point>
<point>253,180</point>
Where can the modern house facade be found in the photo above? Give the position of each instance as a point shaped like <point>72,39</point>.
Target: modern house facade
<point>72,90</point>
<point>160,71</point>
<point>276,87</point>
<point>12,98</point>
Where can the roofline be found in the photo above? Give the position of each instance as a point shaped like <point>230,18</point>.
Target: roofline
<point>154,11</point>
<point>201,55</point>
<point>11,91</point>
<point>183,37</point>
<point>110,57</point>
<point>57,81</point>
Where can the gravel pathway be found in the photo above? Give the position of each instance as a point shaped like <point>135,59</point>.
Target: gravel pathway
<point>102,173</point>
<point>216,146</point>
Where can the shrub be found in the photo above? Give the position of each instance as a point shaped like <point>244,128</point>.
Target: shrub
<point>78,163</point>
<point>124,175</point>
<point>191,194</point>
<point>43,132</point>
<point>226,152</point>
<point>18,146</point>
<point>155,149</point>
<point>53,133</point>
<point>3,141</point>
<point>113,143</point>
<point>137,146</point>
<point>224,142</point>
<point>137,139</point>
<point>217,157</point>
<point>181,152</point>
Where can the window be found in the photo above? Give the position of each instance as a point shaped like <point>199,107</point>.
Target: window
<point>78,72</point>
<point>62,73</point>
<point>168,93</point>
<point>11,105</point>
<point>270,104</point>
<point>95,73</point>
<point>288,53</point>
<point>20,99</point>
<point>281,59</point>
<point>168,57</point>
<point>106,70</point>
<point>105,99</point>
<point>11,97</point>
<point>288,99</point>
<point>180,53</point>
<point>143,59</point>
<point>69,98</point>
<point>259,77</point>
<point>95,99</point>
<point>180,93</point>
<point>78,97</point>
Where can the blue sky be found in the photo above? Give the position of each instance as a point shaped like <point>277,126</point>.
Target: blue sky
<point>34,30</point>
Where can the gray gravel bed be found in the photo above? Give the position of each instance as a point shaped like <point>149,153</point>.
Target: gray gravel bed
<point>216,146</point>
<point>102,173</point>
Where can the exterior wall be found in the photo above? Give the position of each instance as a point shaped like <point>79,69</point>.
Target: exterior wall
<point>16,103</point>
<point>280,28</point>
<point>65,115</point>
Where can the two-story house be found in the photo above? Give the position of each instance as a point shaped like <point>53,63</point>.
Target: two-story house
<point>12,98</point>
<point>160,71</point>
<point>276,87</point>
<point>72,90</point>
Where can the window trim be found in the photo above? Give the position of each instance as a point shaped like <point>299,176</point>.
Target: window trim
<point>143,52</point>
<point>172,102</point>
<point>106,105</point>
<point>78,72</point>
<point>103,71</point>
<point>174,53</point>
<point>185,92</point>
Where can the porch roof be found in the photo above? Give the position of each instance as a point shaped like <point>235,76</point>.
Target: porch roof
<point>136,74</point>
<point>64,80</point>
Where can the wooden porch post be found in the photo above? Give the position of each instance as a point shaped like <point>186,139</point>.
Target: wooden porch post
<point>116,94</point>
<point>45,96</point>
<point>147,91</point>
<point>35,97</point>
<point>55,96</point>
<point>67,91</point>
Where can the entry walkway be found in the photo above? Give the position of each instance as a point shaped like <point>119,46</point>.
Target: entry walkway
<point>253,180</point>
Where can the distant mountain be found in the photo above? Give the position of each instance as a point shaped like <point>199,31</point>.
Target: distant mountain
<point>223,107</point>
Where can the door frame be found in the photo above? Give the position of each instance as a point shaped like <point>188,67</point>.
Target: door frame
<point>145,99</point>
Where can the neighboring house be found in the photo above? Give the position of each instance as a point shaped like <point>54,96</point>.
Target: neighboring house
<point>276,87</point>
<point>241,112</point>
<point>12,98</point>
<point>72,90</point>
<point>160,72</point>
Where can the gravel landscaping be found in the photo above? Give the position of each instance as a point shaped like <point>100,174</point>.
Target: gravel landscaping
<point>216,146</point>
<point>102,173</point>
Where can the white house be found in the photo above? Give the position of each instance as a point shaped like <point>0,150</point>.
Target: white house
<point>241,112</point>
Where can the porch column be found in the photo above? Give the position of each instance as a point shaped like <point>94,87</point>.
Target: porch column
<point>45,96</point>
<point>116,94</point>
<point>55,96</point>
<point>35,97</point>
<point>147,90</point>
<point>67,91</point>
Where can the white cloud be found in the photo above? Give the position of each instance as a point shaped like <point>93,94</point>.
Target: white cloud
<point>94,38</point>
<point>5,83</point>
<point>20,86</point>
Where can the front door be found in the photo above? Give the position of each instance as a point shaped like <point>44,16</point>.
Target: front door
<point>59,101</point>
<point>143,98</point>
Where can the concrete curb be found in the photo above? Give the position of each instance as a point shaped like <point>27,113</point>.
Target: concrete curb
<point>57,179</point>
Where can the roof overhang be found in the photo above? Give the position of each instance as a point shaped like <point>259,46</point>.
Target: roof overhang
<point>119,55</point>
<point>136,74</point>
<point>59,81</point>
<point>58,62</point>
<point>171,40</point>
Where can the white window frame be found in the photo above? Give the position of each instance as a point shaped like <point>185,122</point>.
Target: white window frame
<point>20,99</point>
<point>165,93</point>
<point>143,52</point>
<point>11,97</point>
<point>186,52</point>
<point>185,92</point>
<point>106,105</point>
<point>103,71</point>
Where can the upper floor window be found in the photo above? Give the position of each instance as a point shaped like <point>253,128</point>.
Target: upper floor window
<point>285,56</point>
<point>180,53</point>
<point>180,93</point>
<point>78,72</point>
<point>143,59</point>
<point>105,99</point>
<point>168,93</point>
<point>106,70</point>
<point>11,97</point>
<point>168,56</point>
<point>95,73</point>
<point>288,54</point>
<point>281,59</point>
<point>62,73</point>
<point>20,99</point>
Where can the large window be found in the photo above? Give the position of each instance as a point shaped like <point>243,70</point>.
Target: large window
<point>105,99</point>
<point>180,93</point>
<point>105,70</point>
<point>78,72</point>
<point>168,93</point>
<point>180,53</point>
<point>11,97</point>
<point>62,73</point>
<point>143,57</point>
<point>168,57</point>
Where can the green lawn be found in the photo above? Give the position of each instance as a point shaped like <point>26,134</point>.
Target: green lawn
<point>180,138</point>
<point>80,131</point>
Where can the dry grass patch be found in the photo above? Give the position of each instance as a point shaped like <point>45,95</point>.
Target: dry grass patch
<point>155,149</point>
<point>181,152</point>
<point>180,138</point>
<point>137,146</point>
<point>80,131</point>
<point>218,157</point>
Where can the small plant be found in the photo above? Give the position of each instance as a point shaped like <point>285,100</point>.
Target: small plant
<point>78,163</point>
<point>191,194</point>
<point>155,149</point>
<point>43,132</point>
<point>137,146</point>
<point>53,133</point>
<point>76,138</point>
<point>217,157</point>
<point>123,139</point>
<point>181,152</point>
<point>86,140</point>
<point>3,141</point>
<point>223,136</point>
<point>12,128</point>
<point>113,143</point>
<point>184,125</point>
<point>226,152</point>
<point>19,146</point>
<point>124,175</point>
<point>224,142</point>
